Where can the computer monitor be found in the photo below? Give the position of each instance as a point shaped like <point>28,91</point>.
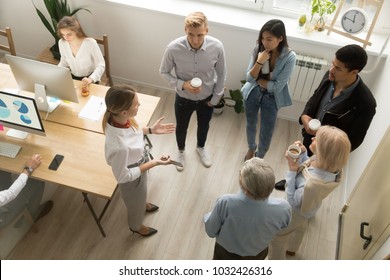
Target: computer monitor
<point>50,83</point>
<point>20,113</point>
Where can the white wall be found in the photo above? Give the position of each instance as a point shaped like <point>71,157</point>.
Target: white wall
<point>138,38</point>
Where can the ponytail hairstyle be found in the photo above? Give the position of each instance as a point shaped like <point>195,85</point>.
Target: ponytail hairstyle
<point>118,98</point>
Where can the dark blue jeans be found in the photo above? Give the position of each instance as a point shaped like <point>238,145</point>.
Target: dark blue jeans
<point>183,112</point>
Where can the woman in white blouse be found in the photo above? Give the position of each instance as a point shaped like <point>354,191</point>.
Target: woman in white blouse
<point>125,153</point>
<point>78,52</point>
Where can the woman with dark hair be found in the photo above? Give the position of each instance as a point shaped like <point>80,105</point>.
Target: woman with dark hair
<point>266,89</point>
<point>125,153</point>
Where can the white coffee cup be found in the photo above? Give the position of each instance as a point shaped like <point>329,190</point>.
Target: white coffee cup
<point>314,124</point>
<point>294,151</point>
<point>196,82</point>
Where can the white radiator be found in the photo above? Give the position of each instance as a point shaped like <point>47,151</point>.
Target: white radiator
<point>306,76</point>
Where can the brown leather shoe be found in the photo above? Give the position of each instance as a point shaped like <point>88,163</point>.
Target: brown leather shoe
<point>249,154</point>
<point>45,209</point>
<point>289,253</point>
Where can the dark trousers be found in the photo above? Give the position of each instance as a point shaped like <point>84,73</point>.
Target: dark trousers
<point>221,253</point>
<point>30,197</point>
<point>183,112</point>
<point>307,142</point>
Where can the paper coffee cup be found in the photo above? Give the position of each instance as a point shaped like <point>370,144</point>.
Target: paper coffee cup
<point>294,151</point>
<point>314,124</point>
<point>196,82</point>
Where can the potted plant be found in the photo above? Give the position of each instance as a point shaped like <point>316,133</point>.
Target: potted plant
<point>319,10</point>
<point>236,100</point>
<point>57,9</point>
<point>218,109</point>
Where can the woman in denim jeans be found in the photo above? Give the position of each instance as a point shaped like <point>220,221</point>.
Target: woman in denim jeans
<point>270,67</point>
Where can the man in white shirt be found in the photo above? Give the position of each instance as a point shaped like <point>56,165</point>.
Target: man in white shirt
<point>14,197</point>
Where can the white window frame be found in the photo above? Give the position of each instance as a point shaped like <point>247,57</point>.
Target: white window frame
<point>262,6</point>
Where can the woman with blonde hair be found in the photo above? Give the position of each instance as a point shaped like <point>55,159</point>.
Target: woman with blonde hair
<point>125,153</point>
<point>308,182</point>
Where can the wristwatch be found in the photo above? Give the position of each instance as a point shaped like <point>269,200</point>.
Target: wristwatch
<point>29,169</point>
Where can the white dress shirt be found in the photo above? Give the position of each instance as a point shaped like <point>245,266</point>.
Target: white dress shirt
<point>12,192</point>
<point>124,147</point>
<point>88,62</point>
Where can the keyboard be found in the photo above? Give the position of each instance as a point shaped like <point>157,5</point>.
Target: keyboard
<point>9,150</point>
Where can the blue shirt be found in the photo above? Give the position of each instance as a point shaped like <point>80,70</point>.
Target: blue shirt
<point>296,182</point>
<point>278,84</point>
<point>245,226</point>
<point>207,63</point>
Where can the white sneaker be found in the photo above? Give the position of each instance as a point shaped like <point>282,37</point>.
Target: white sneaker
<point>181,159</point>
<point>204,157</point>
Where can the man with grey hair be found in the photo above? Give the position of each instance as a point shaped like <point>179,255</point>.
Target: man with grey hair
<point>244,223</point>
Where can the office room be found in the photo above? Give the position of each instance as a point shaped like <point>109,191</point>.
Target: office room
<point>138,33</point>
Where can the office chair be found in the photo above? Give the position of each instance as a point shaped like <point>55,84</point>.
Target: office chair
<point>107,80</point>
<point>10,47</point>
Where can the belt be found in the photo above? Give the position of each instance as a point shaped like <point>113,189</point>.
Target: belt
<point>196,101</point>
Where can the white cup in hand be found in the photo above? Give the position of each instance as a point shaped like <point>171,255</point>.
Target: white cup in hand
<point>314,124</point>
<point>196,82</point>
<point>294,151</point>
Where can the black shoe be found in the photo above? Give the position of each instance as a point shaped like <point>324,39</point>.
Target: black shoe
<point>45,209</point>
<point>153,208</point>
<point>280,186</point>
<point>149,233</point>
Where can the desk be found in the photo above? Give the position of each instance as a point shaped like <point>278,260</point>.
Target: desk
<point>67,112</point>
<point>81,142</point>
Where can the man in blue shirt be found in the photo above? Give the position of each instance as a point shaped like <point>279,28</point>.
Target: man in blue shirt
<point>195,55</point>
<point>245,223</point>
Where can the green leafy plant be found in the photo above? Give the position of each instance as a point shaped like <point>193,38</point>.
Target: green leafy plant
<point>57,9</point>
<point>236,96</point>
<point>322,8</point>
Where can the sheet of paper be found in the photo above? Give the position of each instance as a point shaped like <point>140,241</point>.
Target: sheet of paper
<point>94,108</point>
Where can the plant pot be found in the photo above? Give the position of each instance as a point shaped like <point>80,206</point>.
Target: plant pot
<point>55,51</point>
<point>218,109</point>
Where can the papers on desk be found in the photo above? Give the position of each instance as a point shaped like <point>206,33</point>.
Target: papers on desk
<point>94,109</point>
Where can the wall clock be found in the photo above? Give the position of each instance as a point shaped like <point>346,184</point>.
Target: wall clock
<point>355,20</point>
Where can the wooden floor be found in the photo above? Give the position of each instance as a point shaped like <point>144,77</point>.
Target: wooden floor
<point>69,231</point>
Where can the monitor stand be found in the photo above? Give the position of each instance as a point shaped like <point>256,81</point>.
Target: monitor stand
<point>45,103</point>
<point>17,133</point>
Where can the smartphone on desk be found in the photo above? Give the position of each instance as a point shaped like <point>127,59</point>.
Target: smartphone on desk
<point>55,163</point>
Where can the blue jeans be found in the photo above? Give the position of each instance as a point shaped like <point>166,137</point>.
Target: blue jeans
<point>265,102</point>
<point>183,111</point>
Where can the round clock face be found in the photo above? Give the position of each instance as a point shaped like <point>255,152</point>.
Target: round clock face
<point>354,20</point>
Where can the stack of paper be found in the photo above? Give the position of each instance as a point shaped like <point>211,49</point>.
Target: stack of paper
<point>94,108</point>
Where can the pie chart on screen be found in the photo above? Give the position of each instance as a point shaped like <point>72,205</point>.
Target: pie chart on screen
<point>4,111</point>
<point>25,119</point>
<point>20,107</point>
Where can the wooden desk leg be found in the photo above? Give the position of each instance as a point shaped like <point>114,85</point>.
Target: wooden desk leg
<point>107,204</point>
<point>85,195</point>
